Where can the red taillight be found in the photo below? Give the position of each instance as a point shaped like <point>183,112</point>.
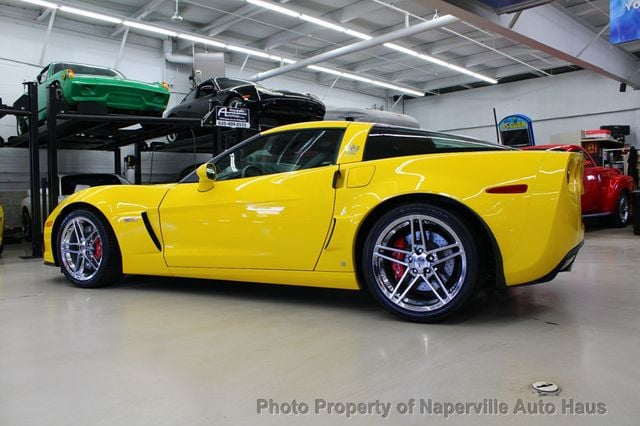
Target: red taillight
<point>508,189</point>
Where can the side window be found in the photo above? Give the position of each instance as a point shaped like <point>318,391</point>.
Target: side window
<point>384,142</point>
<point>278,153</point>
<point>383,145</point>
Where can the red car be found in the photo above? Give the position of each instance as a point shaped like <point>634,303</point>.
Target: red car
<point>606,189</point>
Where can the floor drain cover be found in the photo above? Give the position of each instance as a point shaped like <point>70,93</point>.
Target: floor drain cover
<point>545,388</point>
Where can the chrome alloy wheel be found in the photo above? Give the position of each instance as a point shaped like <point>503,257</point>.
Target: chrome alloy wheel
<point>419,263</point>
<point>623,209</point>
<point>81,248</point>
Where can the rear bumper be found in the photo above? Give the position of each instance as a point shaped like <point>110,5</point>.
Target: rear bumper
<point>565,265</point>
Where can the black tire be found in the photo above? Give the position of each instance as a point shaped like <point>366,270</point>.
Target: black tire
<point>27,229</point>
<point>435,281</point>
<point>622,213</point>
<point>105,266</point>
<point>234,102</point>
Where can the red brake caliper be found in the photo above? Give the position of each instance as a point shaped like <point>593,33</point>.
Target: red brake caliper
<point>398,270</point>
<point>97,248</point>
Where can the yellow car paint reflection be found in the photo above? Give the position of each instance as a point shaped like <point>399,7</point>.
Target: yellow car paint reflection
<point>277,218</point>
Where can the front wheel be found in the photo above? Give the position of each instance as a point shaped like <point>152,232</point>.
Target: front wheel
<point>88,251</point>
<point>420,262</point>
<point>620,216</point>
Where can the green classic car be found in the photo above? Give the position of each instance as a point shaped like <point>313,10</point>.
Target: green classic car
<point>80,83</point>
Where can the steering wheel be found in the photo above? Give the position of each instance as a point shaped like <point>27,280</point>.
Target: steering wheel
<point>251,170</point>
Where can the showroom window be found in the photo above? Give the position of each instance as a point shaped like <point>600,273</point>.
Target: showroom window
<point>389,142</point>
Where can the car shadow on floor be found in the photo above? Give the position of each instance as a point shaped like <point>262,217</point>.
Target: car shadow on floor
<point>506,307</point>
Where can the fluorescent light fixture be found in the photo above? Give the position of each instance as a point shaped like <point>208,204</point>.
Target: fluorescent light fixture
<point>92,15</point>
<point>248,51</point>
<point>41,3</point>
<point>274,7</point>
<point>150,28</point>
<point>432,59</point>
<point>356,77</point>
<point>485,78</point>
<point>288,61</point>
<point>402,49</point>
<point>202,40</point>
<point>322,23</point>
<point>358,34</point>
<point>325,70</point>
<point>398,88</point>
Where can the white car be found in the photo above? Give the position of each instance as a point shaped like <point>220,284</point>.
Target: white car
<point>68,184</point>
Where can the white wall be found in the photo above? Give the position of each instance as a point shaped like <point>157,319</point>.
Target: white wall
<point>22,41</point>
<point>568,102</point>
<point>21,44</point>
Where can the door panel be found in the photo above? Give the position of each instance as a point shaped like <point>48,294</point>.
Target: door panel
<point>277,221</point>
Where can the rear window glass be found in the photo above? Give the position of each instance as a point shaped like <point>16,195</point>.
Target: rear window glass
<point>392,142</point>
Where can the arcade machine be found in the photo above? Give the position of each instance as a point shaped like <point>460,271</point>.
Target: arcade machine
<point>516,131</point>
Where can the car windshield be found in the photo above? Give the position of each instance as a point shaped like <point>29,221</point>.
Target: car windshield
<point>229,83</point>
<point>87,70</point>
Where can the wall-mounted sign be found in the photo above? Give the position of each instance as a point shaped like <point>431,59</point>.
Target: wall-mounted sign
<point>624,21</point>
<point>232,117</point>
<point>516,131</point>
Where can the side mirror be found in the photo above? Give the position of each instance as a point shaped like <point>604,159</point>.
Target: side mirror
<point>206,177</point>
<point>207,90</point>
<point>588,163</point>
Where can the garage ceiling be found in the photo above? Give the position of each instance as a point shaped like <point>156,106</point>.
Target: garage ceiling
<point>456,56</point>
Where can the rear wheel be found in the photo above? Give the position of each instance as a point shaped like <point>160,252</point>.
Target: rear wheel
<point>420,262</point>
<point>88,251</point>
<point>622,213</point>
<point>234,102</point>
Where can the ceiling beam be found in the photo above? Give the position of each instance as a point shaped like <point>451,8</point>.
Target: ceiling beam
<point>549,30</point>
<point>358,46</point>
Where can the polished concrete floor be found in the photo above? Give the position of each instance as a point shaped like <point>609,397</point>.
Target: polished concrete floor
<point>183,352</point>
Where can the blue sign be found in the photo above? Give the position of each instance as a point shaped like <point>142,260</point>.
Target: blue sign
<point>624,21</point>
<point>516,131</point>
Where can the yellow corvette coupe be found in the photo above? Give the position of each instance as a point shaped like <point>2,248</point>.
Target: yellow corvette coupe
<point>421,219</point>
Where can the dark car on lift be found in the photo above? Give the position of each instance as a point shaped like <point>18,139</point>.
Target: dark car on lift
<point>267,107</point>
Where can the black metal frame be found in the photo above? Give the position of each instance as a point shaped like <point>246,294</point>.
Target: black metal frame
<point>30,110</point>
<point>99,131</point>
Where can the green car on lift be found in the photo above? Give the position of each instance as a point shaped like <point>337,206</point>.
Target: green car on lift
<point>80,83</point>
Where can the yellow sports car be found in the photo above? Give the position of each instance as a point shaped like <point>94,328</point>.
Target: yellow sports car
<point>420,219</point>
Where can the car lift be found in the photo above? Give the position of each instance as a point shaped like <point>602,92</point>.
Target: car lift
<point>92,128</point>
